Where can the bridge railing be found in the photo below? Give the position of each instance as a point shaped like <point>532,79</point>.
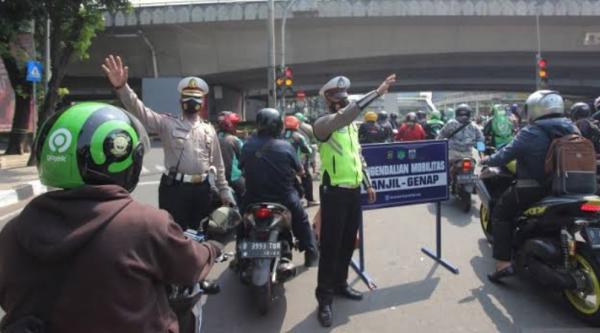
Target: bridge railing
<point>156,12</point>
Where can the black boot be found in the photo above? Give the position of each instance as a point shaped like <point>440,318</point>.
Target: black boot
<point>210,287</point>
<point>349,293</point>
<point>325,314</point>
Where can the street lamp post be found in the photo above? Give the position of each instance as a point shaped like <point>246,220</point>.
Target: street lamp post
<point>283,23</point>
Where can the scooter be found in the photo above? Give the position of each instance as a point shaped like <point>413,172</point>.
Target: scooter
<point>463,181</point>
<point>185,300</point>
<point>556,241</point>
<point>263,251</point>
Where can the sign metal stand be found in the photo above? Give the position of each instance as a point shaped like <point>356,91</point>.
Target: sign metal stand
<point>403,152</point>
<point>438,235</point>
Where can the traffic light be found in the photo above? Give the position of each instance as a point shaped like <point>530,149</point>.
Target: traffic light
<point>542,73</point>
<point>285,81</point>
<point>280,81</point>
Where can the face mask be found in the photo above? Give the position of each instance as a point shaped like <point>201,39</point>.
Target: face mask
<point>191,105</point>
<point>338,105</point>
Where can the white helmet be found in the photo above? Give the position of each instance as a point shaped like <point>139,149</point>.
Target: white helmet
<point>544,103</point>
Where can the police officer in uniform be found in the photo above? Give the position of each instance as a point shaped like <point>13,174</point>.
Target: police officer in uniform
<point>190,145</point>
<point>344,170</point>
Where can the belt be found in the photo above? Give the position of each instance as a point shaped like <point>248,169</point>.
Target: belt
<point>183,178</point>
<point>348,187</point>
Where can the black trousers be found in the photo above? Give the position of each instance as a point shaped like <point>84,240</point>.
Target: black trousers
<point>188,203</point>
<point>341,215</point>
<point>514,200</point>
<point>307,183</point>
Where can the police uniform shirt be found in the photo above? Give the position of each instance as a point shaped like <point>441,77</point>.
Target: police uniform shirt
<point>196,142</point>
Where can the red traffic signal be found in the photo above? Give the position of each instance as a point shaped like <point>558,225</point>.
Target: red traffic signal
<point>542,63</point>
<point>288,73</point>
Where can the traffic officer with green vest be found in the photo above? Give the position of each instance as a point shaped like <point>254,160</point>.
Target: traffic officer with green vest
<point>344,170</point>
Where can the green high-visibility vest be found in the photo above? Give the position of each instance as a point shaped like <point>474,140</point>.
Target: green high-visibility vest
<point>340,157</point>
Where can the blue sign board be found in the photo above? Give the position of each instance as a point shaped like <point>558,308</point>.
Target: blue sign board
<point>406,173</point>
<point>34,71</point>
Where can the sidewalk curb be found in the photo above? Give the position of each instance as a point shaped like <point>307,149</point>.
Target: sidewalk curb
<point>21,192</point>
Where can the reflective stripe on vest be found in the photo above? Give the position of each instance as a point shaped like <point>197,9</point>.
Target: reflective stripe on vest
<point>340,157</point>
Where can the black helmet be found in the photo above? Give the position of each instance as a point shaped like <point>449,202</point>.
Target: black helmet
<point>268,122</point>
<point>421,115</point>
<point>462,113</point>
<point>91,143</point>
<point>394,116</point>
<point>382,115</point>
<point>580,110</point>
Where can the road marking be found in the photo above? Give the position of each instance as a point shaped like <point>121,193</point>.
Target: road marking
<point>160,168</point>
<point>145,170</point>
<point>11,214</point>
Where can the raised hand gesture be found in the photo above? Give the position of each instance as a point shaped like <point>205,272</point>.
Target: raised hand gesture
<point>115,71</point>
<point>385,86</point>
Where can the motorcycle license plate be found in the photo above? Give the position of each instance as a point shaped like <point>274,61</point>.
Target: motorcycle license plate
<point>593,234</point>
<point>259,249</point>
<point>462,179</point>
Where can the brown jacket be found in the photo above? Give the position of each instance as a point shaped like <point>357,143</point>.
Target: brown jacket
<point>92,259</point>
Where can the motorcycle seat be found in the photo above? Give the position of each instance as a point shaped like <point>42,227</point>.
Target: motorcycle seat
<point>566,199</point>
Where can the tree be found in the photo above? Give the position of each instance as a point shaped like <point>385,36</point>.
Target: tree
<point>73,25</point>
<point>16,20</point>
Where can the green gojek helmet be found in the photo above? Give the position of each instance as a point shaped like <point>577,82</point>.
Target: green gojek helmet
<point>91,143</point>
<point>436,115</point>
<point>300,116</point>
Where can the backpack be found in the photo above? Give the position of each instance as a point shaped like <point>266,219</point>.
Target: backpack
<point>571,165</point>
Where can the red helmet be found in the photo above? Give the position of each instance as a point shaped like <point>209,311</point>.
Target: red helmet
<point>291,123</point>
<point>228,121</point>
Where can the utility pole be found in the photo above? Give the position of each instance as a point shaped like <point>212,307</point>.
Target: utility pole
<point>283,23</point>
<point>48,72</point>
<point>271,89</point>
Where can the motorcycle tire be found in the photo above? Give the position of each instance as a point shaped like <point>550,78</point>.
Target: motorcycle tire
<point>465,201</point>
<point>579,301</point>
<point>264,297</point>
<point>485,220</point>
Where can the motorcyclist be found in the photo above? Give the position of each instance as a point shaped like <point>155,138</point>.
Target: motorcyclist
<point>498,130</point>
<point>422,118</point>
<point>386,126</point>
<point>514,116</point>
<point>270,166</point>
<point>434,125</point>
<point>448,115</point>
<point>88,257</point>
<point>394,120</point>
<point>581,116</point>
<point>544,111</point>
<point>462,134</point>
<point>231,150</point>
<point>410,130</point>
<point>303,149</point>
<point>370,131</point>
<point>308,161</point>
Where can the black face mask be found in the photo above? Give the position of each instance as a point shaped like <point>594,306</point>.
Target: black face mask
<point>191,106</point>
<point>338,105</point>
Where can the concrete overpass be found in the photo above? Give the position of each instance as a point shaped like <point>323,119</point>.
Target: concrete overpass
<point>431,44</point>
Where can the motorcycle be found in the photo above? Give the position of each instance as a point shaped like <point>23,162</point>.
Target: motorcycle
<point>556,241</point>
<point>463,181</point>
<point>263,250</point>
<point>185,300</point>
